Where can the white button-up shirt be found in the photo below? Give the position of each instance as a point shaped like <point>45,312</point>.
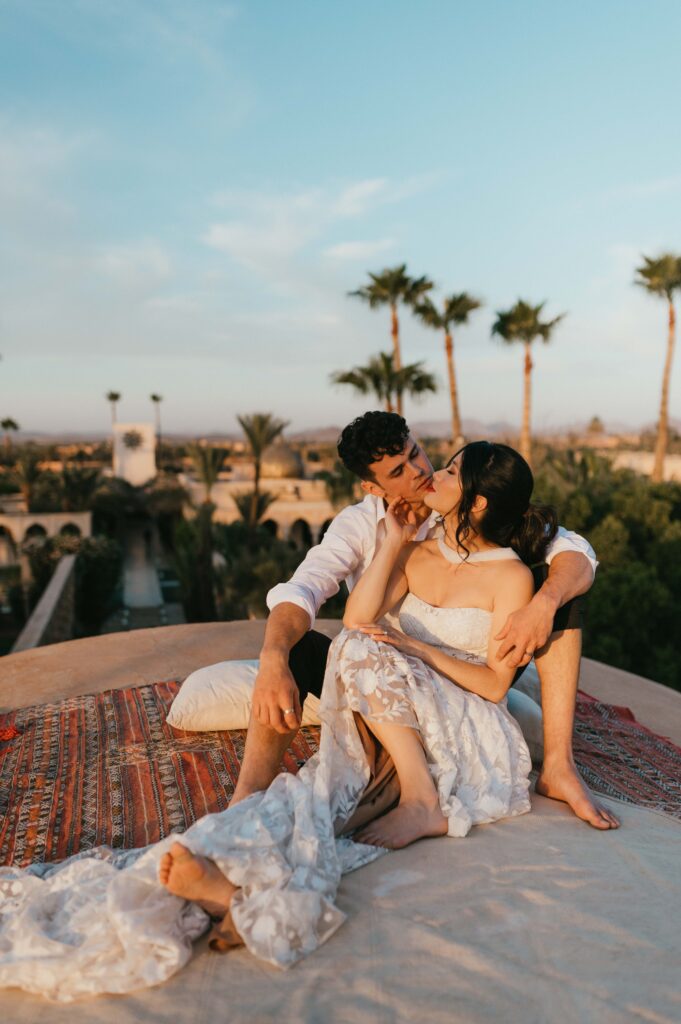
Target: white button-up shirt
<point>349,545</point>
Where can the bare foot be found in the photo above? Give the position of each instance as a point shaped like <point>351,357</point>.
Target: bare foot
<point>566,784</point>
<point>197,879</point>
<point>224,935</point>
<point>409,821</point>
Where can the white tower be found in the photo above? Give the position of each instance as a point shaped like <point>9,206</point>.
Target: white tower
<point>134,452</point>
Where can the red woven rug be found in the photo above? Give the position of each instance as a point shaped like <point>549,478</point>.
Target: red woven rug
<point>107,770</point>
<point>619,757</point>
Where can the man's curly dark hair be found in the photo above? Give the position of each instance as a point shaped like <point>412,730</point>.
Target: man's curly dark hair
<point>368,438</point>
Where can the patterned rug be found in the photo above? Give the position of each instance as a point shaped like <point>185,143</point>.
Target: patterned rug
<point>619,757</point>
<point>108,770</point>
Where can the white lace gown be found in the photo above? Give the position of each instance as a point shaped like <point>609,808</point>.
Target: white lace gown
<point>103,923</point>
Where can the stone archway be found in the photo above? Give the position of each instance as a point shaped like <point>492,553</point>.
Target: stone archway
<point>34,534</point>
<point>8,548</point>
<point>271,526</point>
<point>300,534</point>
<point>70,530</point>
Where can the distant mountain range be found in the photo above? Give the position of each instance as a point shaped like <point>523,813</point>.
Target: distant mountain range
<point>329,434</point>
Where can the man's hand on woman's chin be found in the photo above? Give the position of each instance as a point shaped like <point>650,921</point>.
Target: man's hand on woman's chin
<point>526,631</point>
<point>276,701</point>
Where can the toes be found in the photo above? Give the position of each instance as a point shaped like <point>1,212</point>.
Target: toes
<point>178,850</point>
<point>164,867</point>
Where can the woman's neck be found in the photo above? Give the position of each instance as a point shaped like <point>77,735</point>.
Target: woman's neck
<point>474,542</point>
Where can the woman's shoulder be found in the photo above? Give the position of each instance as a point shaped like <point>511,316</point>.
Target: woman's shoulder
<point>514,573</point>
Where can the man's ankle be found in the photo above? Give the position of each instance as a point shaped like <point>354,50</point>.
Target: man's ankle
<point>556,762</point>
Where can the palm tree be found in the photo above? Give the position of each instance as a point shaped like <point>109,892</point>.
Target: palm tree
<point>157,399</point>
<point>455,310</point>
<point>78,487</point>
<point>28,472</point>
<point>261,429</point>
<point>244,504</point>
<point>663,277</point>
<point>391,287</point>
<point>8,425</point>
<point>207,465</point>
<point>340,484</point>
<point>113,397</point>
<point>521,323</point>
<point>380,378</point>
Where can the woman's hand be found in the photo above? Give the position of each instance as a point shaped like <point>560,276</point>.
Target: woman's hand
<point>388,635</point>
<point>400,522</point>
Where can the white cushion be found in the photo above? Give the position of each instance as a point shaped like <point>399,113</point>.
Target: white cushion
<point>219,697</point>
<point>529,683</point>
<point>528,715</point>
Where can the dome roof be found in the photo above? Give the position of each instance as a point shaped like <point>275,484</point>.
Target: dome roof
<point>279,461</point>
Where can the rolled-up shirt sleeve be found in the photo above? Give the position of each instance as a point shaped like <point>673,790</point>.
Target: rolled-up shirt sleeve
<point>567,540</point>
<point>325,566</point>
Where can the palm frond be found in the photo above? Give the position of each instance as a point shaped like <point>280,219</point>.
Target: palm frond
<point>660,276</point>
<point>522,323</point>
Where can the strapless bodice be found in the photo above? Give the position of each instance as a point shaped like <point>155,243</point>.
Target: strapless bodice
<point>462,630</point>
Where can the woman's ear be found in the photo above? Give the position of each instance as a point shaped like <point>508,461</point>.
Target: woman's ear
<point>479,505</point>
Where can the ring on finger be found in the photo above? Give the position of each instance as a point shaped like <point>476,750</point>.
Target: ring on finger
<point>288,711</point>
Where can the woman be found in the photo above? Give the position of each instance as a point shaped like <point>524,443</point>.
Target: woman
<point>432,695</point>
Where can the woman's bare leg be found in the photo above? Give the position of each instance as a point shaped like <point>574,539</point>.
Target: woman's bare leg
<point>418,813</point>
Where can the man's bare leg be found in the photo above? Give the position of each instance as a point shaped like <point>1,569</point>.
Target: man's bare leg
<point>418,813</point>
<point>558,668</point>
<point>264,750</point>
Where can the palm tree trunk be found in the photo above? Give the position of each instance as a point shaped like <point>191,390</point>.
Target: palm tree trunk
<point>453,394</point>
<point>663,424</point>
<point>158,437</point>
<point>256,491</point>
<point>113,413</point>
<point>397,355</point>
<point>525,445</point>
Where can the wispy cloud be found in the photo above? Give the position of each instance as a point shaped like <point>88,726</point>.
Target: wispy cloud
<point>646,189</point>
<point>355,251</point>
<point>136,267</point>
<point>269,227</point>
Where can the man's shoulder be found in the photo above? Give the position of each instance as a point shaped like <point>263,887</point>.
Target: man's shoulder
<point>367,508</point>
<point>363,515</point>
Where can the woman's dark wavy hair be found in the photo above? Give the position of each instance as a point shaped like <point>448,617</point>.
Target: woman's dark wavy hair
<point>502,475</point>
<point>368,438</point>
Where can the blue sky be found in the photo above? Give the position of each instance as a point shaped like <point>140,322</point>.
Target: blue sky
<point>189,190</point>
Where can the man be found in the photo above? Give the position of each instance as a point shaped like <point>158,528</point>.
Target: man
<point>390,463</point>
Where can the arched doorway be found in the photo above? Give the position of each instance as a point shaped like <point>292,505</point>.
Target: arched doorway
<point>301,534</point>
<point>70,530</point>
<point>35,534</point>
<point>271,527</point>
<point>8,549</point>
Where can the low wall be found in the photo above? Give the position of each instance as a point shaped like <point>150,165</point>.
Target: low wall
<point>52,618</point>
